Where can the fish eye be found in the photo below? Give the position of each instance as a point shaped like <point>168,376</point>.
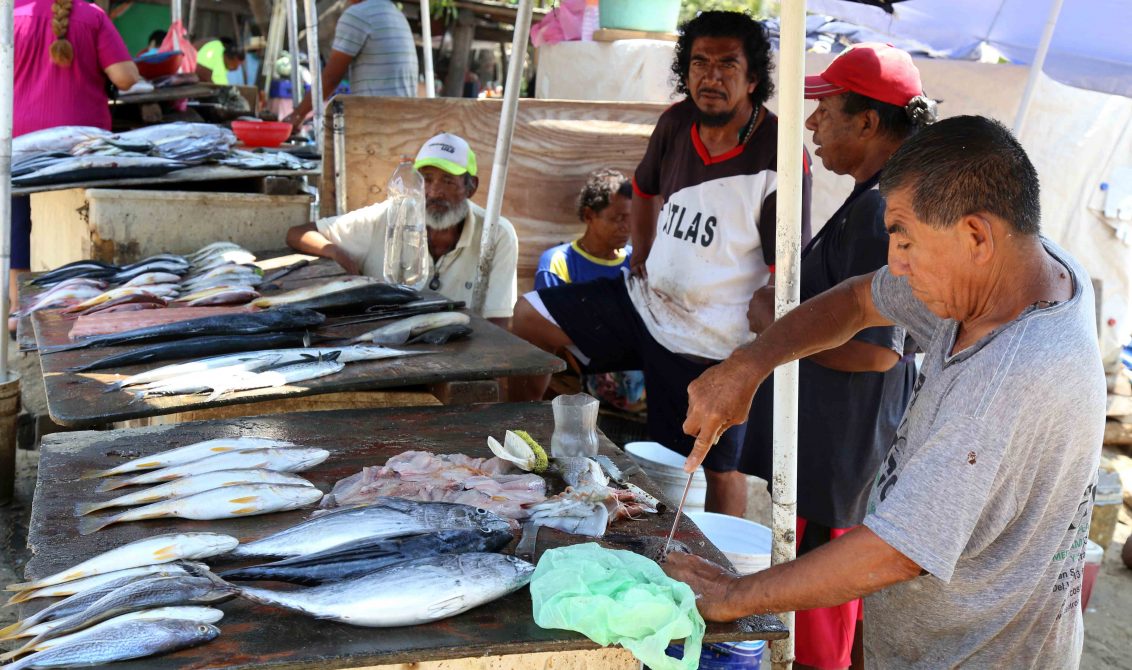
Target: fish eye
<point>202,628</point>
<point>481,511</point>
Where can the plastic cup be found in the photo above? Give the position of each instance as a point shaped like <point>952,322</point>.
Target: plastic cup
<point>575,426</point>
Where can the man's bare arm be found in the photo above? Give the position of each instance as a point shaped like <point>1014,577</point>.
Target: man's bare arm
<point>642,220</point>
<point>306,239</point>
<point>854,565</point>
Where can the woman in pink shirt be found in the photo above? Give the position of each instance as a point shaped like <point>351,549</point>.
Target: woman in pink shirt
<point>65,52</point>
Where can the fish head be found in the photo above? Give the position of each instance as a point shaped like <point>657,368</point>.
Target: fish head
<point>487,521</point>
<point>496,539</point>
<point>185,632</point>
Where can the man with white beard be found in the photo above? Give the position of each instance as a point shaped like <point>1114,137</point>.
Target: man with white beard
<point>356,240</point>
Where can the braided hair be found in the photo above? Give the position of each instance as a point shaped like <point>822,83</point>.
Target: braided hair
<point>62,51</point>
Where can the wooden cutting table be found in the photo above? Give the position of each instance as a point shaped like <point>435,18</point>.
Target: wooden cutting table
<point>255,636</point>
<point>80,400</point>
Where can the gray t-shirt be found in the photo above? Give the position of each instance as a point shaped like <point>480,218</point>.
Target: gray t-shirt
<point>377,35</point>
<point>989,488</point>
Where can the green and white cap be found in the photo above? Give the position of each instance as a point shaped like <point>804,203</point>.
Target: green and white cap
<point>449,153</point>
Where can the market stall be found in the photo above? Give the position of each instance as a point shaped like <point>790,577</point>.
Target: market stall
<point>81,399</point>
<point>258,636</point>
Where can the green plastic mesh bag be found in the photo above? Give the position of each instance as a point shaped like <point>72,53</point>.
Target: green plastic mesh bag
<point>618,597</point>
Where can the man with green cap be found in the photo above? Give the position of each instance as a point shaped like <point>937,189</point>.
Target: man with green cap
<point>356,240</point>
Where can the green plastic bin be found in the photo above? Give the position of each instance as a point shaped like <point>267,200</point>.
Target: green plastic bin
<point>654,16</point>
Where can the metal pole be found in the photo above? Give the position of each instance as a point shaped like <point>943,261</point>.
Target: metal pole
<point>274,42</point>
<point>338,129</point>
<point>317,102</point>
<point>7,70</point>
<point>787,245</point>
<point>193,16</point>
<point>502,151</point>
<point>293,48</point>
<point>175,18</point>
<point>1036,67</point>
<point>426,38</point>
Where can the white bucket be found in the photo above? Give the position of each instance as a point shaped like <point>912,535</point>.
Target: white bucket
<point>745,543</point>
<point>666,468</point>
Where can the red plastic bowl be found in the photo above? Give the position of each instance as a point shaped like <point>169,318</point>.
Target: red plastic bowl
<point>154,66</point>
<point>261,133</point>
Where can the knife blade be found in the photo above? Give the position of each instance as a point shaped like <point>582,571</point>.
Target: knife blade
<point>684,497</point>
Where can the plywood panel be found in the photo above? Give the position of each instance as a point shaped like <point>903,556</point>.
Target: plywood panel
<point>556,144</point>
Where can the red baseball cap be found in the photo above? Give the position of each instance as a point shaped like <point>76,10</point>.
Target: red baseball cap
<point>878,71</point>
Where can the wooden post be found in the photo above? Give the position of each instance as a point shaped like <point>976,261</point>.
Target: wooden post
<point>462,35</point>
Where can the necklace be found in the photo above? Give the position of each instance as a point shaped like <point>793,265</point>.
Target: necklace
<point>1043,304</point>
<point>749,129</point>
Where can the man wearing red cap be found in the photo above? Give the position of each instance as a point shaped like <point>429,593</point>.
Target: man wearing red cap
<point>851,398</point>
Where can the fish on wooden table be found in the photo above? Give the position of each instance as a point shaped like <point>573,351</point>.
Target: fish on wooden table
<point>220,295</point>
<point>84,168</point>
<point>145,593</point>
<point>132,639</point>
<point>254,360</point>
<point>47,619</point>
<point>316,291</point>
<point>194,613</point>
<point>139,297</point>
<point>283,459</point>
<point>63,297</point>
<point>75,270</point>
<point>194,347</point>
<point>355,559</point>
<point>225,502</point>
<point>161,265</point>
<point>148,278</point>
<point>225,380</point>
<point>442,335</point>
<point>148,551</point>
<point>243,323</point>
<point>385,518</point>
<point>189,453</point>
<point>408,593</point>
<point>96,581</point>
<point>400,331</point>
<point>184,486</point>
<point>359,297</point>
<point>60,139</point>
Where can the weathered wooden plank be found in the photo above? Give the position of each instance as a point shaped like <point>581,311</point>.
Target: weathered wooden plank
<point>262,637</point>
<point>556,144</point>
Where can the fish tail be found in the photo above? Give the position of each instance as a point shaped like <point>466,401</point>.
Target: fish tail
<point>95,474</point>
<point>116,386</point>
<point>82,509</point>
<point>112,484</point>
<point>88,525</point>
<point>13,631</point>
<point>21,597</point>
<point>25,662</point>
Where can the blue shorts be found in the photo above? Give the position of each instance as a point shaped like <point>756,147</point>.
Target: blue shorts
<point>21,232</point>
<point>601,320</point>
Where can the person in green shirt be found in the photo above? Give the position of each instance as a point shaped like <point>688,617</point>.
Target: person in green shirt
<point>216,58</point>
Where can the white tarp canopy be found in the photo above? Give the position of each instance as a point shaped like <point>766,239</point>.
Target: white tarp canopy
<point>1091,48</point>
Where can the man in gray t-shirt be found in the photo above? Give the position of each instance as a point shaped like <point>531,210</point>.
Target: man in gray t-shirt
<point>373,42</point>
<point>972,549</point>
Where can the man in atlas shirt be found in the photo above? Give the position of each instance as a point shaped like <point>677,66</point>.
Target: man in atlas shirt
<point>703,232</point>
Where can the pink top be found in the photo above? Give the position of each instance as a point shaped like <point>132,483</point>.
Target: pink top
<point>47,95</point>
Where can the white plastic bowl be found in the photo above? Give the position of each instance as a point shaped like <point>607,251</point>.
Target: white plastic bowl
<point>745,543</point>
<point>666,469</point>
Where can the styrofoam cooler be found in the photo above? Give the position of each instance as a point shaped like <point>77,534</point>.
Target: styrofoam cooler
<point>666,468</point>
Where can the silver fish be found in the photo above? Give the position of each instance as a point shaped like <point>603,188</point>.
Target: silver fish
<point>579,471</point>
<point>214,248</point>
<point>145,593</point>
<point>225,295</point>
<point>70,295</point>
<point>386,517</point>
<point>284,459</point>
<point>96,581</point>
<point>185,486</point>
<point>238,257</point>
<point>400,331</point>
<point>79,168</point>
<point>315,291</point>
<point>226,502</point>
<point>222,380</point>
<point>150,278</point>
<point>48,619</point>
<point>406,594</point>
<point>196,614</point>
<point>132,639</point>
<point>59,139</point>
<point>189,453</point>
<point>148,551</point>
<point>255,360</point>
